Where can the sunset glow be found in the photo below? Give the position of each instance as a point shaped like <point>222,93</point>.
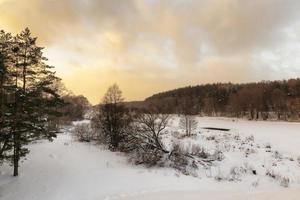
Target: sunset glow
<point>148,46</point>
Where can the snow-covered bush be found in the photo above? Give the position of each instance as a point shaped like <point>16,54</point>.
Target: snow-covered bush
<point>277,155</point>
<point>220,176</point>
<point>217,155</point>
<point>268,146</point>
<point>83,132</point>
<point>250,138</point>
<point>188,160</point>
<point>271,173</point>
<point>284,181</point>
<point>255,183</point>
<point>298,160</point>
<point>178,159</point>
<point>149,157</point>
<point>150,141</point>
<point>198,151</point>
<point>236,173</point>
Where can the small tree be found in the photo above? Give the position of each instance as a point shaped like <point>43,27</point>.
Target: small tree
<point>113,117</point>
<point>188,123</point>
<point>149,128</point>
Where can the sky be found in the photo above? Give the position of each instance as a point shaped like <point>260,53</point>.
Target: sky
<point>148,46</point>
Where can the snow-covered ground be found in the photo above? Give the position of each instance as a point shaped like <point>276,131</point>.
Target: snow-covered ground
<point>69,170</point>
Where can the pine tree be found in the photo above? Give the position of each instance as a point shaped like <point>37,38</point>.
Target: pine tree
<point>31,100</point>
<point>5,89</point>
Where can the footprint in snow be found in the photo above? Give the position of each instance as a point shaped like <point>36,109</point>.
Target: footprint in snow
<point>108,165</point>
<point>52,156</point>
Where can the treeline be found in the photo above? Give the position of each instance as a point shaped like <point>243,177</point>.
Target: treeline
<point>29,100</point>
<point>75,108</point>
<point>264,100</point>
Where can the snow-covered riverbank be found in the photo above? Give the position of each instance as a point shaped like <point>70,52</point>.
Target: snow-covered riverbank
<point>69,170</point>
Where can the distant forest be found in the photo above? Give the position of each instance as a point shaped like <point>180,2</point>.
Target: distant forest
<point>267,100</point>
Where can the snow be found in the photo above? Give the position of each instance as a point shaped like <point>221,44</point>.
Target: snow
<point>284,136</point>
<point>69,170</point>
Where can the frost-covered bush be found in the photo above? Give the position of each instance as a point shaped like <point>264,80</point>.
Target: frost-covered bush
<point>250,168</point>
<point>249,151</point>
<point>182,161</point>
<point>177,158</point>
<point>185,160</point>
<point>255,183</point>
<point>250,138</point>
<point>237,137</point>
<point>149,157</point>
<point>198,151</point>
<point>83,132</point>
<point>175,134</point>
<point>236,173</point>
<point>284,181</point>
<point>298,159</point>
<point>271,173</point>
<point>220,176</point>
<point>268,146</point>
<point>277,155</point>
<point>211,137</point>
<point>217,155</point>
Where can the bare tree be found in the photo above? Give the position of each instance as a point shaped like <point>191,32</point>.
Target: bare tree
<point>113,117</point>
<point>188,123</point>
<point>149,129</point>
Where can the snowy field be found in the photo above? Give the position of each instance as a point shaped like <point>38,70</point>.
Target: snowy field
<point>69,170</point>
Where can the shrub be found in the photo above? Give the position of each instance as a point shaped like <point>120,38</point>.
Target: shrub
<point>277,155</point>
<point>217,155</point>
<point>298,159</point>
<point>198,151</point>
<point>284,181</point>
<point>182,161</point>
<point>149,157</point>
<point>83,132</point>
<point>220,177</point>
<point>236,173</point>
<point>255,183</point>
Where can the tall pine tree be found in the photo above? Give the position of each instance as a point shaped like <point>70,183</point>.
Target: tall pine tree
<point>30,99</point>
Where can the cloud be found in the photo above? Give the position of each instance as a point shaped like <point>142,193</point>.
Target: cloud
<point>163,43</point>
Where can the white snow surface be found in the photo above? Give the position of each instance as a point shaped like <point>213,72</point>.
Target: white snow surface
<point>68,170</point>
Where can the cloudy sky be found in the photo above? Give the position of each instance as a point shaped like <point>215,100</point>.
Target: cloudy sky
<point>147,46</point>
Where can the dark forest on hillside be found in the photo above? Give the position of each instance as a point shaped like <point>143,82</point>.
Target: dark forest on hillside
<point>263,100</point>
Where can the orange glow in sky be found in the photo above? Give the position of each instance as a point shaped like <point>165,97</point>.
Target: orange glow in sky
<point>148,46</point>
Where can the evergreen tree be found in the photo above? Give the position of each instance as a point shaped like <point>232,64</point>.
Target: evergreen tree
<point>31,100</point>
<point>5,91</point>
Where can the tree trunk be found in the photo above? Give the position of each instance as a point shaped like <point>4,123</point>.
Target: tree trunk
<point>186,126</point>
<point>16,166</point>
<point>16,156</point>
